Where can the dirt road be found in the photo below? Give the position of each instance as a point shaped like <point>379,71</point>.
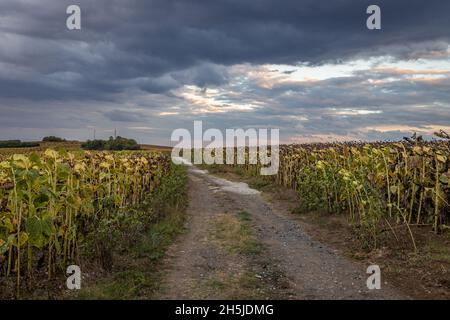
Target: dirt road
<point>237,245</point>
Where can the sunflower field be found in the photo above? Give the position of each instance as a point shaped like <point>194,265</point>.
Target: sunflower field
<point>49,200</point>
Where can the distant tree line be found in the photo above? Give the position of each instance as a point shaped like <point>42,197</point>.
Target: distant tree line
<point>118,143</point>
<point>53,139</point>
<point>17,144</point>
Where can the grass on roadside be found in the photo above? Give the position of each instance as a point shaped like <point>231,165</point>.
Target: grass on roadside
<point>136,274</point>
<point>235,234</point>
<point>260,275</point>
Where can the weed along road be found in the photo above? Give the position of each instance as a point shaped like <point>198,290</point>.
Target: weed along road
<point>238,245</point>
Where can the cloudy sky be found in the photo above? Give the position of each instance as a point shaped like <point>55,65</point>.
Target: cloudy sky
<point>308,67</point>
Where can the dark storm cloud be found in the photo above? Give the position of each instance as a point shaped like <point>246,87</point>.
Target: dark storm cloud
<point>141,41</point>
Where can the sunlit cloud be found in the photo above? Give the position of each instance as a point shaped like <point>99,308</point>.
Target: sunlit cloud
<point>141,128</point>
<point>426,129</point>
<point>168,113</point>
<point>354,112</point>
<point>213,100</point>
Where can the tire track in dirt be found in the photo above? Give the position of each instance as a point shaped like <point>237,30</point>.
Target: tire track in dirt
<point>290,266</point>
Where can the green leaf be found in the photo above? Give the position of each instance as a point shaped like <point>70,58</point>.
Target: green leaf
<point>38,230</point>
<point>394,189</point>
<point>34,157</point>
<point>445,178</point>
<point>3,246</point>
<point>19,241</point>
<point>57,246</point>
<point>8,224</point>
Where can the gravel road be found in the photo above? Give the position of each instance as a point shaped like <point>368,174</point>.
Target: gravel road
<point>290,266</point>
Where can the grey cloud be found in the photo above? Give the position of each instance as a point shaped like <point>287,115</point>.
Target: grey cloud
<point>124,116</point>
<point>206,74</point>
